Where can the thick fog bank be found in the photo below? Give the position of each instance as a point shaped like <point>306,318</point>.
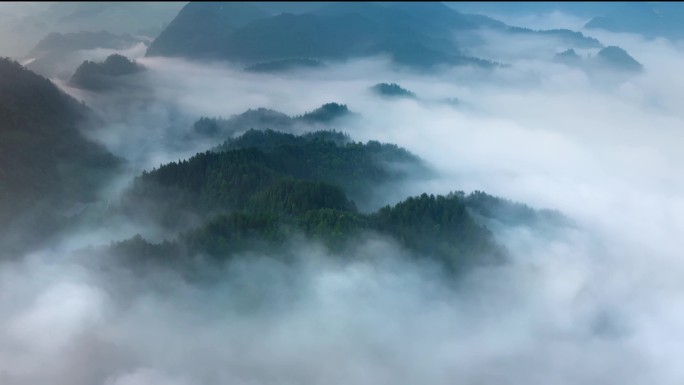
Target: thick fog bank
<point>597,303</point>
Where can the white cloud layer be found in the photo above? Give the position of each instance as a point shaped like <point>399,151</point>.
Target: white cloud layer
<point>601,304</point>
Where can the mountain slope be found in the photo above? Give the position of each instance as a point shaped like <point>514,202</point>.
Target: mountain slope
<point>409,34</point>
<point>265,187</point>
<point>651,19</point>
<point>263,119</point>
<point>414,34</point>
<point>58,53</point>
<point>98,76</point>
<point>226,179</point>
<point>46,164</point>
<point>200,27</point>
<point>617,58</point>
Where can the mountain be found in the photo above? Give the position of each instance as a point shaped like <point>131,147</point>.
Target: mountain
<point>617,58</point>
<point>392,91</point>
<point>569,57</point>
<point>27,23</point>
<point>116,17</point>
<point>46,165</point>
<point>650,19</point>
<point>296,7</point>
<point>58,43</point>
<point>263,119</point>
<point>565,37</point>
<point>410,34</point>
<point>610,60</point>
<point>325,113</point>
<point>99,76</point>
<point>259,190</point>
<point>202,27</point>
<point>228,177</point>
<point>438,228</point>
<point>418,35</point>
<point>58,53</point>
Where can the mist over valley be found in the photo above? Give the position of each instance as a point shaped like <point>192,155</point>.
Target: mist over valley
<point>341,193</point>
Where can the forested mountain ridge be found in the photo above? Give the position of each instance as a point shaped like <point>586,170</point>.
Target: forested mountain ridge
<point>46,164</point>
<point>100,76</point>
<point>411,34</point>
<point>261,190</point>
<point>55,54</point>
<point>228,177</point>
<point>264,119</point>
<point>650,19</point>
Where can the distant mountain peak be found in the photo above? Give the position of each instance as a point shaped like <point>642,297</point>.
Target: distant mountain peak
<point>415,35</point>
<point>92,75</point>
<point>619,58</point>
<point>326,113</point>
<point>392,90</point>
<point>568,56</point>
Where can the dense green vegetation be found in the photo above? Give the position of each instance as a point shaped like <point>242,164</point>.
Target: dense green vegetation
<point>263,189</point>
<point>264,119</point>
<point>254,192</point>
<point>325,113</point>
<point>98,76</point>
<point>436,227</point>
<point>227,178</point>
<point>392,90</point>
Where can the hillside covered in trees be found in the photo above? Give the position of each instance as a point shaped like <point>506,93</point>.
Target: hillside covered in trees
<point>265,119</point>
<point>261,190</point>
<point>411,34</point>
<point>255,191</point>
<point>46,164</point>
<point>228,177</point>
<point>100,76</point>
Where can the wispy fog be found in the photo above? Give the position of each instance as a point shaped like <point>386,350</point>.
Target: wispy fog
<point>599,303</point>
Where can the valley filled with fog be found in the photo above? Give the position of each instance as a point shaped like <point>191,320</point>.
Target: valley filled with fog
<point>341,193</point>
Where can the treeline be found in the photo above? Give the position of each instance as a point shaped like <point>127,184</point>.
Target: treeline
<point>435,227</point>
<point>227,178</point>
<point>46,165</point>
<point>99,76</point>
<point>260,190</point>
<point>264,119</point>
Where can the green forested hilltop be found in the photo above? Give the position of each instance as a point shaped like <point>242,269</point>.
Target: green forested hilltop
<point>100,76</point>
<point>264,119</point>
<point>439,228</point>
<point>257,191</point>
<point>225,179</point>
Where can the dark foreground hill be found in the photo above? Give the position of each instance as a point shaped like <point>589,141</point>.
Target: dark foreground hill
<point>46,165</point>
